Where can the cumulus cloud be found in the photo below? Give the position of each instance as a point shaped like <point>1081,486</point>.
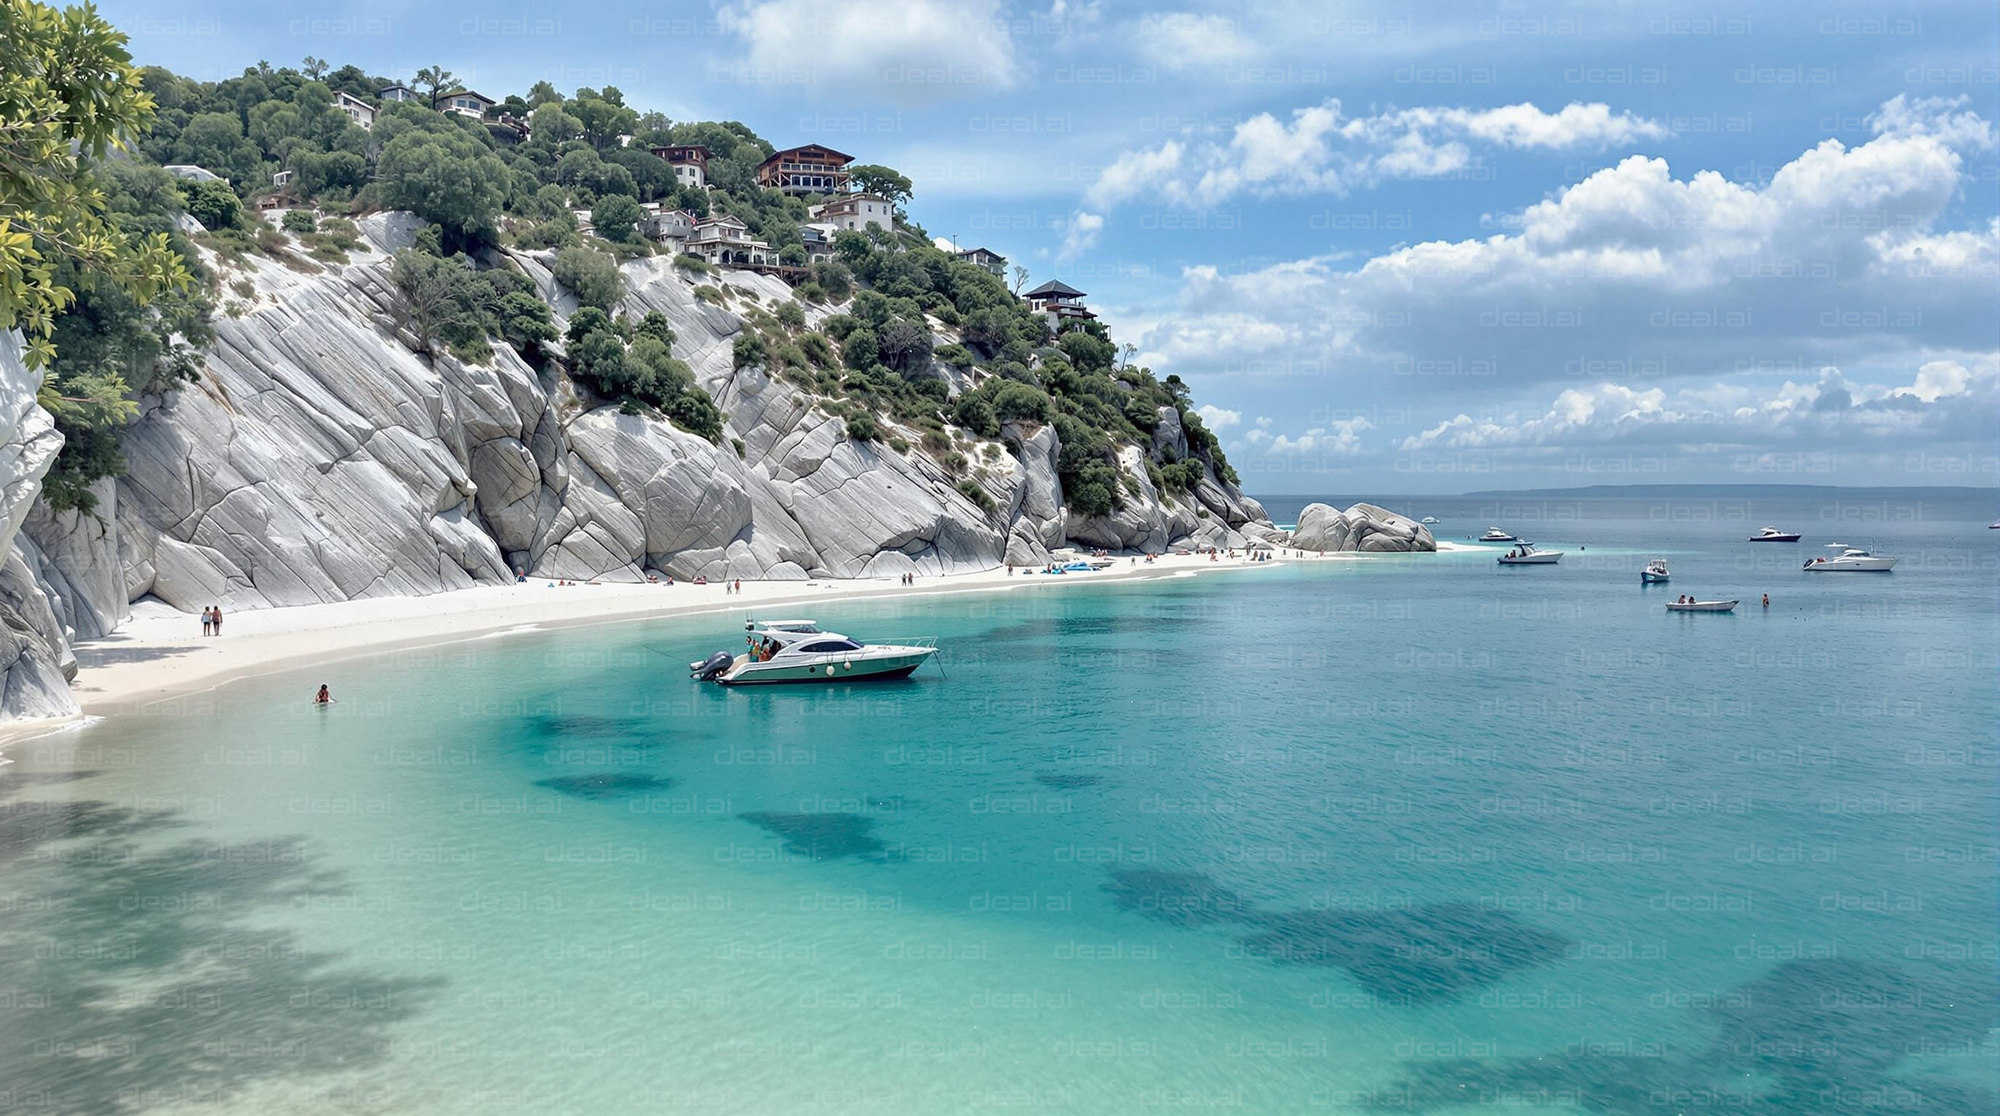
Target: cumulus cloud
<point>1631,273</point>
<point>1215,418</point>
<point>1080,234</point>
<point>1945,402</point>
<point>1180,40</point>
<point>1934,116</point>
<point>905,50</point>
<point>1319,149</point>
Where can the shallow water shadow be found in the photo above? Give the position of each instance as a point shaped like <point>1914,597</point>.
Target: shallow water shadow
<point>27,829</point>
<point>556,729</point>
<point>141,978</point>
<point>1059,781</point>
<point>1423,954</point>
<point>1184,899</point>
<point>1809,1038</point>
<point>14,782</point>
<point>605,785</point>
<point>1413,955</point>
<point>828,836</point>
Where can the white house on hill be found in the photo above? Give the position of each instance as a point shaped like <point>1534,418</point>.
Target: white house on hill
<point>856,212</point>
<point>357,110</point>
<point>725,241</point>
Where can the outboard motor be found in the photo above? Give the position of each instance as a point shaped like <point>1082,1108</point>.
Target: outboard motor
<point>715,664</point>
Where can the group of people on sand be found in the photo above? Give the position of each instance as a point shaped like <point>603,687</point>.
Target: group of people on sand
<point>911,579</point>
<point>732,587</point>
<point>211,620</point>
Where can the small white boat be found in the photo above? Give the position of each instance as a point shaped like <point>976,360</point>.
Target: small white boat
<point>1993,526</point>
<point>1655,572</point>
<point>1527,554</point>
<point>1772,534</point>
<point>1495,534</point>
<point>1433,519</point>
<point>1851,559</point>
<point>799,651</point>
<point>1700,606</point>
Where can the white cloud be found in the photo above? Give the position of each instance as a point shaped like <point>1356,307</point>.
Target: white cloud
<point>1215,418</point>
<point>1341,438</point>
<point>1320,150</point>
<point>1180,40</point>
<point>1631,272</point>
<point>1080,235</point>
<point>1135,173</point>
<point>1933,116</point>
<point>1946,402</point>
<point>904,50</point>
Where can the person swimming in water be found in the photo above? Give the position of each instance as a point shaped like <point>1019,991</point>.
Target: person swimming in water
<point>324,697</point>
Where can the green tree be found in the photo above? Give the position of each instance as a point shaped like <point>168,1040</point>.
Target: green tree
<point>873,178</point>
<point>70,94</point>
<point>437,79</point>
<point>314,68</point>
<point>214,204</point>
<point>446,178</point>
<point>615,217</point>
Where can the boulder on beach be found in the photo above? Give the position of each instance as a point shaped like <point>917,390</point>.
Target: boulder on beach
<point>1363,527</point>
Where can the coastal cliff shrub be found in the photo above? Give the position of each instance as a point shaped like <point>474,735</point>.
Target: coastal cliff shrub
<point>748,350</point>
<point>615,217</point>
<point>976,492</point>
<point>861,426</point>
<point>299,221</point>
<point>591,276</point>
<point>641,377</point>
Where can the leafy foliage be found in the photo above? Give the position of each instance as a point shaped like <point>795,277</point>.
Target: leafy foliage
<point>641,374</point>
<point>591,276</point>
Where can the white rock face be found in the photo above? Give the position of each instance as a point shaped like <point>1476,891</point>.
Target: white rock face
<point>35,660</point>
<point>320,458</point>
<point>1363,527</point>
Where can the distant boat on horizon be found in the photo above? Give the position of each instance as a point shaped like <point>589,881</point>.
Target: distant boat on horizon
<point>1495,534</point>
<point>1772,534</point>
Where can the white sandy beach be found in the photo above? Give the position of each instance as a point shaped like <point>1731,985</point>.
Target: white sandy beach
<point>160,653</point>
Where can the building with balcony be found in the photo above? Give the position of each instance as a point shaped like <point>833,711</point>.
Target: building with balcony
<point>811,169</point>
<point>402,93</point>
<point>856,212</point>
<point>725,242</point>
<point>986,259</point>
<point>690,163</point>
<point>357,110</point>
<point>466,103</point>
<point>672,227</point>
<point>1059,302</point>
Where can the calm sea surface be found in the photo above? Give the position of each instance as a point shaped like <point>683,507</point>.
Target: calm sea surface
<point>1417,834</point>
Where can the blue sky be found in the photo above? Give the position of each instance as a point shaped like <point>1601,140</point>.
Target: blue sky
<point>1395,248</point>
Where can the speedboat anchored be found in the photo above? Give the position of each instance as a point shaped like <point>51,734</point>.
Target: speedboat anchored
<point>1772,534</point>
<point>799,651</point>
<point>1433,519</point>
<point>1655,572</point>
<point>1700,606</point>
<point>1850,559</point>
<point>1526,554</point>
<point>1495,534</point>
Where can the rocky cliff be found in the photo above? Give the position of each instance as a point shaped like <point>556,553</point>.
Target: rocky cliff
<point>35,662</point>
<point>320,458</point>
<point>1363,527</point>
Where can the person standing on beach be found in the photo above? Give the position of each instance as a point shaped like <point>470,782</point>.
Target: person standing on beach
<point>215,614</point>
<point>207,621</point>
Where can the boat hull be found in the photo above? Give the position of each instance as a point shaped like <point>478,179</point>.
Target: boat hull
<point>1774,538</point>
<point>1531,560</point>
<point>832,669</point>
<point>1869,565</point>
<point>1649,578</point>
<point>1703,606</point>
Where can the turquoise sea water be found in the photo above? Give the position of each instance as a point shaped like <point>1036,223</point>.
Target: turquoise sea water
<point>1418,834</point>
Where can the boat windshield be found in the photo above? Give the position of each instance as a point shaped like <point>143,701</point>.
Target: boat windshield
<point>828,646</point>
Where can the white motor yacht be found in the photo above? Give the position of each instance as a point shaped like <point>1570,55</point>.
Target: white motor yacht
<point>1527,554</point>
<point>1495,534</point>
<point>1850,559</point>
<point>1772,534</point>
<point>1655,572</point>
<point>800,651</point>
<point>1433,519</point>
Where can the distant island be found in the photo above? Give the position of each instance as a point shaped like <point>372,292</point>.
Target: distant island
<point>1739,490</point>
